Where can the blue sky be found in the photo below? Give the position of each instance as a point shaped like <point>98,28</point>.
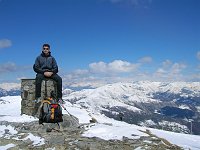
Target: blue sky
<point>102,41</point>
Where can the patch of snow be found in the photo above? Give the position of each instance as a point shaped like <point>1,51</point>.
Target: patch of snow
<point>11,131</point>
<point>186,141</point>
<point>108,132</point>
<point>184,107</point>
<point>5,147</point>
<point>37,141</point>
<point>10,110</point>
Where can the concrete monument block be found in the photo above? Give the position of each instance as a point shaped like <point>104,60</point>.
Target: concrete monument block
<point>28,105</point>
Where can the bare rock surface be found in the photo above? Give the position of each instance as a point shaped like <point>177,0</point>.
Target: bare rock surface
<point>68,136</point>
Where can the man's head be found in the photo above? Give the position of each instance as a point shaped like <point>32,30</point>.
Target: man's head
<point>46,49</point>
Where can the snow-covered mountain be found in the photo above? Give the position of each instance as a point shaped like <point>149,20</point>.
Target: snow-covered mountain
<point>16,132</point>
<point>145,103</point>
<point>11,89</point>
<point>138,102</point>
<point>123,111</point>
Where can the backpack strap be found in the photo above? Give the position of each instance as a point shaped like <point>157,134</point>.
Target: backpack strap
<point>46,101</point>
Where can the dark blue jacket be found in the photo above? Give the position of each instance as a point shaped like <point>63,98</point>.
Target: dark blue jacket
<point>45,63</point>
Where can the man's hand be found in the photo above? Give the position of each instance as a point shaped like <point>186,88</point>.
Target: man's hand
<point>48,74</point>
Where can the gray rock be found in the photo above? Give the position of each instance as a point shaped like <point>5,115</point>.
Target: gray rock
<point>69,137</point>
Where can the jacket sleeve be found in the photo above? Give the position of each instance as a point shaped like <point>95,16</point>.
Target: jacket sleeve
<point>54,66</point>
<point>36,66</point>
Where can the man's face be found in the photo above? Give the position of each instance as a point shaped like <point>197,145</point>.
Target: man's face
<point>46,50</point>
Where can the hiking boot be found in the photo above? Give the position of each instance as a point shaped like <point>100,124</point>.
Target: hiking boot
<point>61,101</point>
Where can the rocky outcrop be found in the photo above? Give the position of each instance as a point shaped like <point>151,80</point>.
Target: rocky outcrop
<point>69,137</point>
<point>28,104</point>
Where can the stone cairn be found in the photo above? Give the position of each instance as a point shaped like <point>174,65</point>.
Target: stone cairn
<point>28,104</point>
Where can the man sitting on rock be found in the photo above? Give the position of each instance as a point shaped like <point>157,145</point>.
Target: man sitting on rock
<point>46,67</point>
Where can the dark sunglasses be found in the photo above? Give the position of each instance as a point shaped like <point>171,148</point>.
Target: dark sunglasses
<point>45,48</point>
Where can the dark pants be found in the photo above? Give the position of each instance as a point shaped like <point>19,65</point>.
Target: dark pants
<point>55,77</point>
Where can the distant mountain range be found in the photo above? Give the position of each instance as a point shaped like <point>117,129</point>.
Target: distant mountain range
<point>9,93</point>
<point>169,106</point>
<point>10,89</point>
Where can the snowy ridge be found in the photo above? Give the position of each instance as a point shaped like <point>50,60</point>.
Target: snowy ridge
<point>11,89</point>
<point>106,128</point>
<point>173,87</point>
<point>125,94</point>
<point>138,102</point>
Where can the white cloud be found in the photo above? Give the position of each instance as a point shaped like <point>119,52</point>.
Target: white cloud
<point>101,73</point>
<point>4,43</point>
<point>172,68</point>
<point>117,66</point>
<point>198,55</point>
<point>76,75</point>
<point>170,72</point>
<point>160,71</point>
<point>98,67</point>
<point>8,67</point>
<point>146,59</point>
<point>12,67</point>
<point>122,66</point>
<point>80,72</point>
<point>167,63</point>
<point>177,68</point>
